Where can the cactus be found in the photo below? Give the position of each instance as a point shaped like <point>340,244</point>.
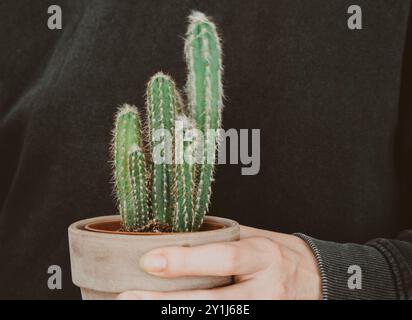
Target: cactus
<point>179,190</point>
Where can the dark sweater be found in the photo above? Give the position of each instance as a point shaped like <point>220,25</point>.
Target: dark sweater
<point>334,108</point>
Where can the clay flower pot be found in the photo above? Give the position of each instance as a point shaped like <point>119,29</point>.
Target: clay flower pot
<point>105,262</point>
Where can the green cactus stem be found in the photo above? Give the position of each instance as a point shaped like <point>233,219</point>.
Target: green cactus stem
<point>138,174</point>
<point>130,171</point>
<point>205,95</point>
<point>162,101</point>
<point>183,215</point>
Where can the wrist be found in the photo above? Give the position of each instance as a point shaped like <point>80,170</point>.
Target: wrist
<point>307,276</point>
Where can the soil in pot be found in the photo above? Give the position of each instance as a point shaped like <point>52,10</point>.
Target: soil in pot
<point>114,227</point>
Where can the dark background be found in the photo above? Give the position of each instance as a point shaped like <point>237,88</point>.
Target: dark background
<point>333,106</point>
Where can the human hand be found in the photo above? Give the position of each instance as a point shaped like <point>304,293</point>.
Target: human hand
<point>265,265</point>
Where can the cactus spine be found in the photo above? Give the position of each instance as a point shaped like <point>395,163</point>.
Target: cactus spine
<point>179,190</point>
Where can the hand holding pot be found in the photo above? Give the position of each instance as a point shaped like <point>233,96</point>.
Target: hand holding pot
<point>265,265</point>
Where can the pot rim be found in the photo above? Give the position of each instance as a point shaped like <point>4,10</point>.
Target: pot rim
<point>94,227</point>
<point>78,227</point>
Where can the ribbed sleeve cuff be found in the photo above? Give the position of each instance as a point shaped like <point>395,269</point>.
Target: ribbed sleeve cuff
<point>335,261</point>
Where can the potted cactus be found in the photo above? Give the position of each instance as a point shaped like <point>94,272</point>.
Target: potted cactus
<point>162,188</point>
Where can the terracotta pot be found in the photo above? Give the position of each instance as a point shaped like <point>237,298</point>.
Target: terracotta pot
<point>105,262</point>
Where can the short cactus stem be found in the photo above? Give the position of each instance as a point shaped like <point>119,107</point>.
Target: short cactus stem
<point>183,215</point>
<point>129,168</point>
<point>139,187</point>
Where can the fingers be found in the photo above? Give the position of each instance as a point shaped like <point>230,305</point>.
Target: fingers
<point>239,291</point>
<point>220,259</point>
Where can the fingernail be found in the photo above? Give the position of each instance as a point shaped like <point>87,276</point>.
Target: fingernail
<point>153,262</point>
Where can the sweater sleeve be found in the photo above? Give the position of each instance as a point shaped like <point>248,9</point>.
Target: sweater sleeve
<point>385,264</point>
<point>384,268</point>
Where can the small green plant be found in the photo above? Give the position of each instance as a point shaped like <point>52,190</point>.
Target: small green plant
<point>173,194</point>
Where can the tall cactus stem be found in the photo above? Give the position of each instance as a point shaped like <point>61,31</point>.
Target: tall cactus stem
<point>205,95</point>
<point>162,101</point>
